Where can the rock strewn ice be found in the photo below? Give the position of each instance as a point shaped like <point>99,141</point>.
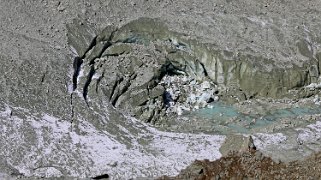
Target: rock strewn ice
<point>183,93</point>
<point>45,146</point>
<point>130,62</point>
<point>290,145</point>
<point>247,48</point>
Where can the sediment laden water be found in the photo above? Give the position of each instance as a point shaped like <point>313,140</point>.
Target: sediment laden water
<point>226,119</point>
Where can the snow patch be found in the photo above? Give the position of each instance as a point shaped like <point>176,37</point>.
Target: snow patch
<point>74,51</point>
<point>262,140</point>
<point>48,172</point>
<point>313,86</point>
<point>258,21</point>
<point>6,112</point>
<point>310,134</point>
<point>81,73</point>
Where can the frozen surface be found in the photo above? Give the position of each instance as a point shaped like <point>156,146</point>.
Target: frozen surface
<point>43,145</point>
<point>291,144</point>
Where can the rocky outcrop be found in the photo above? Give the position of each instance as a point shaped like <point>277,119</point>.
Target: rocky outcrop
<point>252,165</point>
<point>126,66</point>
<point>237,143</point>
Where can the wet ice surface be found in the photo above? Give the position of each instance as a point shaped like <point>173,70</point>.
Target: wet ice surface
<point>284,132</point>
<point>225,119</point>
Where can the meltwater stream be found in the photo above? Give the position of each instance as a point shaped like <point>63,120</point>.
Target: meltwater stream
<point>226,119</point>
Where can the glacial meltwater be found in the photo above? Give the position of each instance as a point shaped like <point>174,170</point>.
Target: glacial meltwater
<point>226,119</point>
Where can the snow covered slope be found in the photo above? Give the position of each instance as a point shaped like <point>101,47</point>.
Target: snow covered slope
<point>41,145</point>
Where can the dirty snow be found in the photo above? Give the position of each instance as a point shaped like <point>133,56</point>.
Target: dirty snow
<point>57,151</point>
<point>262,140</point>
<point>46,146</point>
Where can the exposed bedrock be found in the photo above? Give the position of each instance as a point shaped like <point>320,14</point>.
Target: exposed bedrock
<point>126,66</point>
